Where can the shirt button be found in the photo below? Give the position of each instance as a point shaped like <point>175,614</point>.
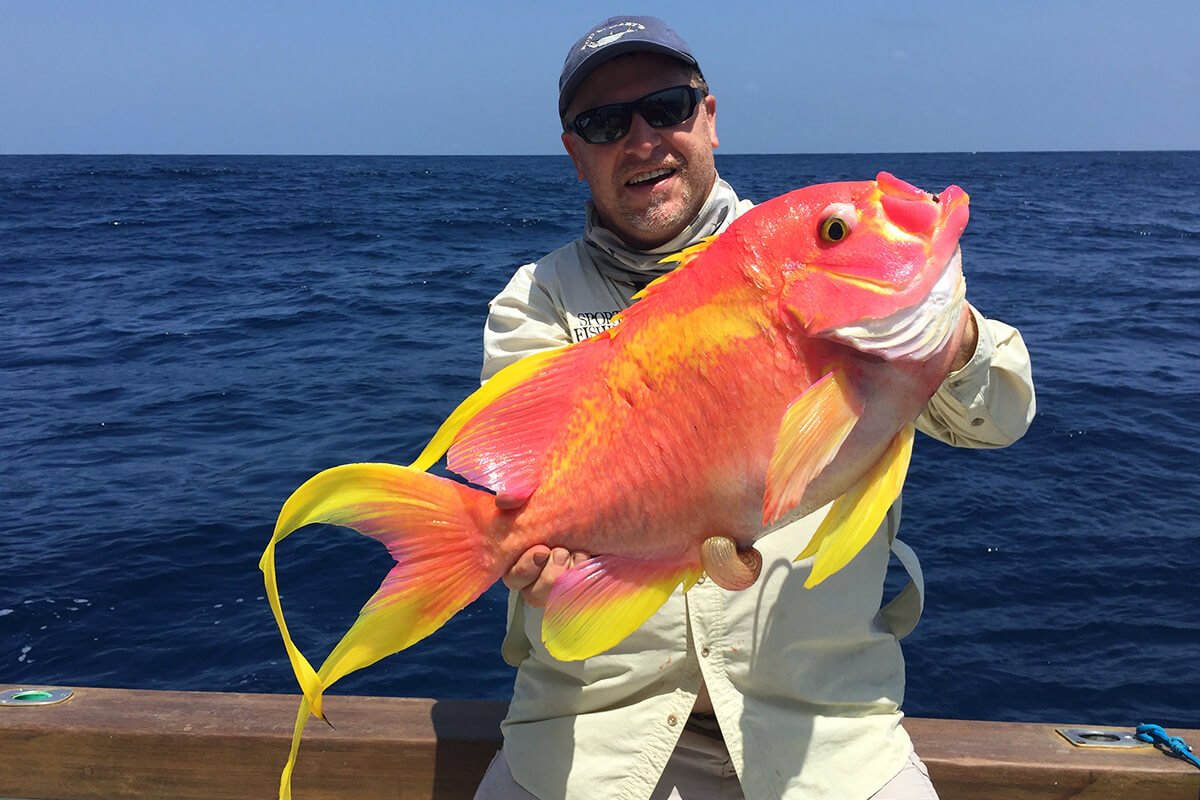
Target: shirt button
<point>975,423</point>
<point>704,651</point>
<point>672,720</point>
<point>700,579</point>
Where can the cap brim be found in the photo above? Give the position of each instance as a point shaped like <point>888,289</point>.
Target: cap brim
<point>589,64</point>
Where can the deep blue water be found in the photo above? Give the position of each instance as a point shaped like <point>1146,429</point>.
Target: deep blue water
<point>184,340</point>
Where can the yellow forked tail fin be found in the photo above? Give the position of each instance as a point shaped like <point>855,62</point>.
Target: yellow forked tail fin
<point>437,531</point>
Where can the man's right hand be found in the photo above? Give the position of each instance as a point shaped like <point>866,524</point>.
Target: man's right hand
<point>536,571</point>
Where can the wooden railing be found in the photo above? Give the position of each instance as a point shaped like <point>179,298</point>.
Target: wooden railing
<point>113,743</point>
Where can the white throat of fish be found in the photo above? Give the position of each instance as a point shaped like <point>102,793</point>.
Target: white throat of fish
<point>917,332</point>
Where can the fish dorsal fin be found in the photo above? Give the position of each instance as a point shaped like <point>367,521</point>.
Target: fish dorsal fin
<point>684,258</point>
<point>856,515</point>
<point>654,291</point>
<point>503,381</point>
<point>813,429</point>
<point>596,604</point>
<point>500,435</point>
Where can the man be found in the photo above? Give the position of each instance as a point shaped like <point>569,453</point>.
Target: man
<point>774,692</point>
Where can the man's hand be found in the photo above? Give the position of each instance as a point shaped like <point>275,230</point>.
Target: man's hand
<point>969,340</point>
<point>536,571</point>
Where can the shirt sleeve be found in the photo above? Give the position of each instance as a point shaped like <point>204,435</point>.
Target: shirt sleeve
<point>523,319</point>
<point>990,401</point>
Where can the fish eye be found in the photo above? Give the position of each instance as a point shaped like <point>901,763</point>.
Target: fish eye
<point>834,229</point>
<point>837,221</point>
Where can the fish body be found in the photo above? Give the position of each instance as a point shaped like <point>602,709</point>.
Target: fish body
<point>778,368</point>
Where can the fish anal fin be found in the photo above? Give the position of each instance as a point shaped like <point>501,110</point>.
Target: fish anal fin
<point>595,605</point>
<point>855,516</point>
<point>812,431</point>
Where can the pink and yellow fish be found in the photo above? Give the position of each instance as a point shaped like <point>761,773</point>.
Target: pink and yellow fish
<point>779,367</point>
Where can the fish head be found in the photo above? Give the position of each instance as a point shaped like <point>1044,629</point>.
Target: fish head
<point>875,265</point>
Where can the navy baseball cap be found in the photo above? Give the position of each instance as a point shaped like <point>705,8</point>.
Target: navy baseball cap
<point>611,38</point>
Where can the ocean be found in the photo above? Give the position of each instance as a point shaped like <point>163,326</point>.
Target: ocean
<point>185,339</point>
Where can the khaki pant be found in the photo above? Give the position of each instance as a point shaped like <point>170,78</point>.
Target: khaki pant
<point>700,769</point>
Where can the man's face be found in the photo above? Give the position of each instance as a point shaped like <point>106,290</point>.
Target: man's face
<point>645,208</point>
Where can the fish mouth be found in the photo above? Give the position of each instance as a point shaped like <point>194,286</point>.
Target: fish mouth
<point>915,332</point>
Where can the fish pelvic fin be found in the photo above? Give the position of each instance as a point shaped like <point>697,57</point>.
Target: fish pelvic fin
<point>438,533</point>
<point>856,515</point>
<point>595,605</point>
<point>812,431</point>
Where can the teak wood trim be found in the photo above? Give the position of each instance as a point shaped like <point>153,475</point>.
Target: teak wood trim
<point>117,743</point>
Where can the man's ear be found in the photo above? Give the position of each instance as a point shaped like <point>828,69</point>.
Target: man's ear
<point>710,108</point>
<point>569,142</point>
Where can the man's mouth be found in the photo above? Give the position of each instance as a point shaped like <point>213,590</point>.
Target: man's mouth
<point>651,177</point>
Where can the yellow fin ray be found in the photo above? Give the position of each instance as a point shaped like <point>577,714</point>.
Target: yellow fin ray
<point>503,381</point>
<point>810,435</point>
<point>856,515</point>
<point>596,604</point>
<point>685,257</point>
<point>285,778</point>
<point>646,298</point>
<point>430,525</point>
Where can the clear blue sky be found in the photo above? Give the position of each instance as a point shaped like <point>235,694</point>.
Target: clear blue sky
<point>448,77</point>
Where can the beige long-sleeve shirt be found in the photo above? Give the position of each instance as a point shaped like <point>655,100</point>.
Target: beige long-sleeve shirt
<point>806,683</point>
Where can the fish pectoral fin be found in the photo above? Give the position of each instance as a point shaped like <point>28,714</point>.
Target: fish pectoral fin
<point>595,605</point>
<point>812,431</point>
<point>856,515</point>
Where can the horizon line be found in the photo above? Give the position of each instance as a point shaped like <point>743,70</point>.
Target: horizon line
<point>564,155</point>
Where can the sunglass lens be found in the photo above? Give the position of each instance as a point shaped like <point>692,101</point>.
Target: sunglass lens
<point>662,109</point>
<point>603,124</point>
<point>668,107</point>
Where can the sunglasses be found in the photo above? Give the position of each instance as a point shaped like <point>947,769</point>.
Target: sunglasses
<point>661,109</point>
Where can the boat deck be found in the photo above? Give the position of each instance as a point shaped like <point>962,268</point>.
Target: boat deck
<point>115,743</point>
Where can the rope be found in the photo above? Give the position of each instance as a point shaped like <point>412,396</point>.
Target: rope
<point>1171,745</point>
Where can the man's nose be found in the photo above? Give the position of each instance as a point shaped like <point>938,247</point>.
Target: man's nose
<point>641,135</point>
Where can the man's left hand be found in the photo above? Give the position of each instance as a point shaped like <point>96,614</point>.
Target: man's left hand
<point>969,338</point>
